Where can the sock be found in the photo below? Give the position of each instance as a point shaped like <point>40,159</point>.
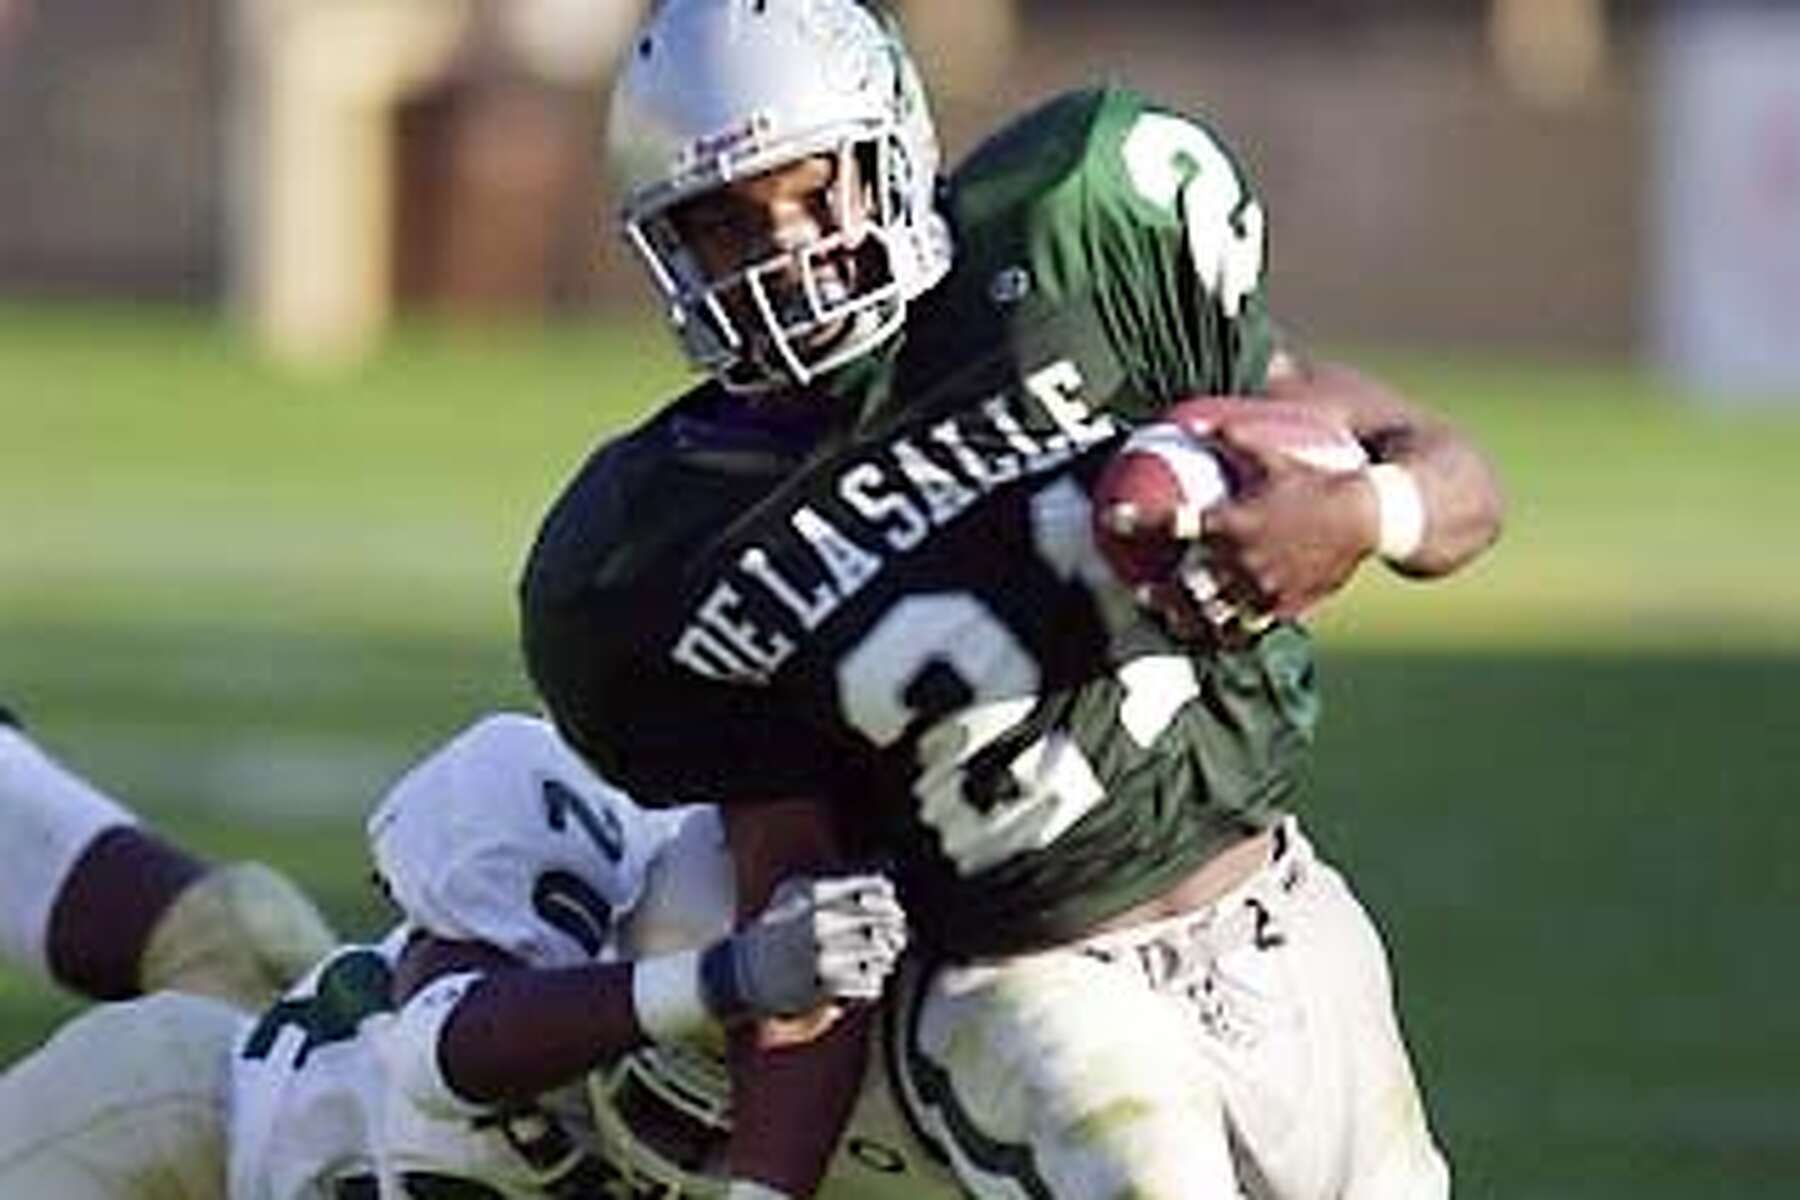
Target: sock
<point>49,817</point>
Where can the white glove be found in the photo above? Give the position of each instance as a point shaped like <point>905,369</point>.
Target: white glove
<point>817,941</point>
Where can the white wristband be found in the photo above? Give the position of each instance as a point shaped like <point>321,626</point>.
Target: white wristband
<point>750,1189</point>
<point>1400,508</point>
<point>665,992</point>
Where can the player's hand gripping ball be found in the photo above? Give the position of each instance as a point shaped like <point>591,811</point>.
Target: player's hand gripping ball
<point>1151,500</point>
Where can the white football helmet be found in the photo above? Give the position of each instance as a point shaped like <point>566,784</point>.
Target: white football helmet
<point>663,1116</point>
<point>663,1113</point>
<point>719,90</point>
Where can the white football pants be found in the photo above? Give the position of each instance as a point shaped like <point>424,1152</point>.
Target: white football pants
<point>126,1102</point>
<point>1248,1049</point>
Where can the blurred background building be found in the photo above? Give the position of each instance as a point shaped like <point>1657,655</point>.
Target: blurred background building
<point>1550,174</point>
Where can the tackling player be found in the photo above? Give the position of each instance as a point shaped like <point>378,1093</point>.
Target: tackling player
<point>479,1050</point>
<point>847,587</point>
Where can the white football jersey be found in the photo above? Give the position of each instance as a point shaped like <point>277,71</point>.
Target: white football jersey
<point>505,836</point>
<point>306,1084</point>
<point>316,1113</point>
<point>502,836</point>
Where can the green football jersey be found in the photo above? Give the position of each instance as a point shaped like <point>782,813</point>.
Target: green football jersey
<point>904,611</point>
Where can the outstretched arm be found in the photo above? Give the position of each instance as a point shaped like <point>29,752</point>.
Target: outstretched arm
<point>500,1030</point>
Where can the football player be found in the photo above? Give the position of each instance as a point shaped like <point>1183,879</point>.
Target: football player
<point>538,1025</point>
<point>95,902</point>
<point>846,587</point>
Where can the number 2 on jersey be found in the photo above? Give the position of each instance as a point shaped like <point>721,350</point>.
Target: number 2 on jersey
<point>1176,165</point>
<point>896,674</point>
<point>565,899</point>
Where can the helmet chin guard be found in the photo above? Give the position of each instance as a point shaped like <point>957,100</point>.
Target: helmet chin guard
<point>714,91</point>
<point>663,1115</point>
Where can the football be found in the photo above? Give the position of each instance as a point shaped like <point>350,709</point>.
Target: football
<point>1150,499</point>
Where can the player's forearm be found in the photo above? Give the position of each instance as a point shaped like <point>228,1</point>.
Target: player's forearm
<point>509,1032</point>
<point>479,1028</point>
<point>1459,495</point>
<point>516,1034</point>
<point>790,1104</point>
<point>1459,503</point>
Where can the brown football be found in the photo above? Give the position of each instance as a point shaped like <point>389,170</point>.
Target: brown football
<point>1149,499</point>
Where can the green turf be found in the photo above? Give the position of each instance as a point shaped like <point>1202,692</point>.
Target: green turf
<point>1563,782</point>
<point>1581,863</point>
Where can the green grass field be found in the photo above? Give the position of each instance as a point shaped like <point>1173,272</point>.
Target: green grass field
<point>1565,781</point>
